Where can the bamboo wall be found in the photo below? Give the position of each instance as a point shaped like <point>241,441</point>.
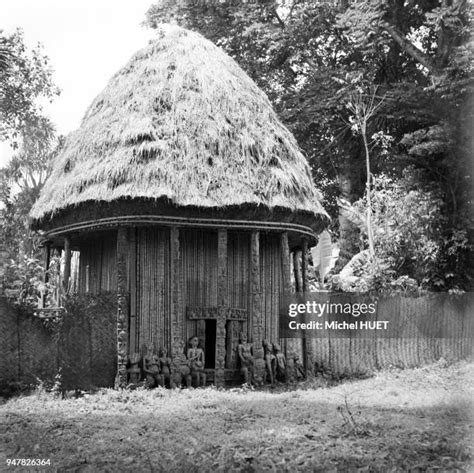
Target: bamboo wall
<point>198,278</point>
<point>150,296</point>
<point>97,265</point>
<point>150,283</point>
<point>271,283</point>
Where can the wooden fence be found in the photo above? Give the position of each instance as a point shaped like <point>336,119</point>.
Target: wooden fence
<point>82,347</point>
<point>423,330</point>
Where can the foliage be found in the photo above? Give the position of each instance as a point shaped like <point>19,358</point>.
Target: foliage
<point>410,246</point>
<point>25,76</point>
<point>20,182</point>
<point>25,283</point>
<point>310,57</point>
<point>324,256</point>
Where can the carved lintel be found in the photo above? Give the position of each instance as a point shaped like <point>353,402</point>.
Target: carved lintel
<point>226,313</point>
<point>50,313</point>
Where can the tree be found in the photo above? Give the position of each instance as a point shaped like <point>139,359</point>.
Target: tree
<point>410,246</point>
<point>308,56</point>
<point>364,107</point>
<point>25,76</point>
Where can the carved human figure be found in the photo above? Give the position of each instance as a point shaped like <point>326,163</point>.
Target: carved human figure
<point>196,362</point>
<point>270,361</point>
<point>165,368</point>
<point>134,371</point>
<point>245,353</point>
<point>180,368</point>
<point>299,369</point>
<point>290,368</point>
<point>280,362</point>
<point>151,367</point>
<point>259,367</point>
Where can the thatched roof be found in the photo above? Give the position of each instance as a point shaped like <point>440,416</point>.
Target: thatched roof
<point>181,120</point>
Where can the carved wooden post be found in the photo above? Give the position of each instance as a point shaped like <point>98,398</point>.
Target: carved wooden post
<point>222,303</point>
<point>285,263</point>
<point>304,265</point>
<point>46,261</point>
<point>176,325</point>
<point>122,308</point>
<point>133,290</point>
<point>291,344</point>
<point>67,263</point>
<point>297,270</point>
<point>307,352</point>
<point>255,289</point>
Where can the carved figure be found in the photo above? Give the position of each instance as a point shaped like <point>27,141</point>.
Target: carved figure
<point>134,372</point>
<point>290,369</point>
<point>196,362</point>
<point>270,361</point>
<point>165,368</point>
<point>180,368</point>
<point>259,367</point>
<point>151,367</point>
<point>280,362</point>
<point>299,369</point>
<point>244,351</point>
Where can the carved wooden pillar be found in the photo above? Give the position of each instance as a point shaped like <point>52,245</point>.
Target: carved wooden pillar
<point>222,302</point>
<point>292,345</point>
<point>304,265</point>
<point>285,263</point>
<point>255,290</point>
<point>133,290</point>
<point>46,261</point>
<point>122,308</point>
<point>176,325</point>
<point>297,270</point>
<point>67,263</point>
<point>307,350</point>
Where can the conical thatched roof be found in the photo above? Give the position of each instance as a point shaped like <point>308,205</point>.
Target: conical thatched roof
<point>181,120</point>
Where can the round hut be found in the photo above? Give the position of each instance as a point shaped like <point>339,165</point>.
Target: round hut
<point>183,192</point>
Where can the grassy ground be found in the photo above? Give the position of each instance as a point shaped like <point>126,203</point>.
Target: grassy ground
<point>416,419</point>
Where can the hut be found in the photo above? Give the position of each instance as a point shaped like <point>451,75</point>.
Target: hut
<point>183,192</point>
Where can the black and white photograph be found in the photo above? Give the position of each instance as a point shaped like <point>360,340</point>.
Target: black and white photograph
<point>236,236</point>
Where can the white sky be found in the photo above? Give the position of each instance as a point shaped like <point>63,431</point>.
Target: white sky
<point>87,41</point>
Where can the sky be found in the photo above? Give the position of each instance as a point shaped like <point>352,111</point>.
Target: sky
<point>87,42</point>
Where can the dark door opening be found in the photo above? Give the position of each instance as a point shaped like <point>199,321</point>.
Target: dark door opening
<point>210,348</point>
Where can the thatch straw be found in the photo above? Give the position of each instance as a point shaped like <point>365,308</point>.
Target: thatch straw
<point>181,120</point>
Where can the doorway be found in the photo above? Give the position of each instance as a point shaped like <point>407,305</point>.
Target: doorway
<point>210,347</point>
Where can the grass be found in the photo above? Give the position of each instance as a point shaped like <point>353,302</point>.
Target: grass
<point>416,419</point>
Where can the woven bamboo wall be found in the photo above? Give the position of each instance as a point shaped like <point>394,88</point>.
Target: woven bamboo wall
<point>271,283</point>
<point>198,275</point>
<point>151,297</point>
<point>83,346</point>
<point>150,300</point>
<point>97,264</point>
<point>423,330</point>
